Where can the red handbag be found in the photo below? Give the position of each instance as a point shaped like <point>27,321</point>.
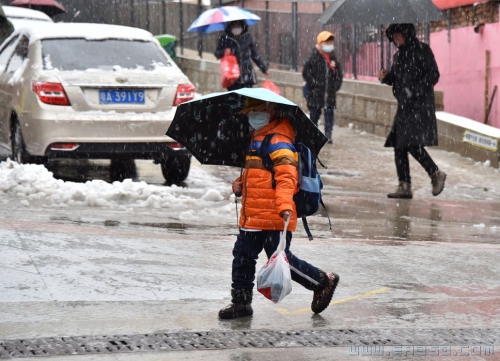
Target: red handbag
<point>229,69</point>
<point>267,84</point>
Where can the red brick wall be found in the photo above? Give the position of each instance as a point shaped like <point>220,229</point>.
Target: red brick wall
<point>471,15</point>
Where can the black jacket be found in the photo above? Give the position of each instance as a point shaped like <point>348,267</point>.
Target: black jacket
<point>413,74</point>
<point>245,51</point>
<point>322,81</point>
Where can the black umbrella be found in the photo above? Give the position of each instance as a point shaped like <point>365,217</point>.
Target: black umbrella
<point>377,12</point>
<point>212,129</point>
<point>380,13</point>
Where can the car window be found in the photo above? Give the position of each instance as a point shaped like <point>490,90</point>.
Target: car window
<point>6,53</point>
<point>108,54</point>
<point>20,53</point>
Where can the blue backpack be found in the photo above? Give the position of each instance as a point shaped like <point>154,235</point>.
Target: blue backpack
<point>308,198</point>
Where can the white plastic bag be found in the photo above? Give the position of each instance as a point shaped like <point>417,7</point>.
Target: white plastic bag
<point>274,280</point>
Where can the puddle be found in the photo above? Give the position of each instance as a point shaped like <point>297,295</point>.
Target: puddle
<point>342,173</point>
<point>111,223</point>
<point>171,225</point>
<point>67,220</point>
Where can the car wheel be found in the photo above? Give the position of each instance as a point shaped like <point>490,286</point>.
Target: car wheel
<point>175,168</point>
<point>19,153</point>
<point>123,168</point>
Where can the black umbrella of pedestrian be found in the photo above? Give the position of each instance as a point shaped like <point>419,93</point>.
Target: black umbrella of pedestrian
<point>378,12</point>
<point>212,129</point>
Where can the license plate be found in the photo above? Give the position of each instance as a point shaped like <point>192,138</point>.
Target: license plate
<point>122,96</point>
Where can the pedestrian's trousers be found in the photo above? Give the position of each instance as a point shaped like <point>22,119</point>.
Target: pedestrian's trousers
<point>403,163</point>
<point>315,113</point>
<point>246,251</point>
<point>237,86</point>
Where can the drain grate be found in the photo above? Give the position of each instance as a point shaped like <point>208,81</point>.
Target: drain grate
<point>213,340</point>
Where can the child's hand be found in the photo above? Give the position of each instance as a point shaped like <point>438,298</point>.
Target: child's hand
<point>237,186</point>
<point>286,215</point>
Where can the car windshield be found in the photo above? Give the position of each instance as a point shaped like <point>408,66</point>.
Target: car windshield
<point>108,54</point>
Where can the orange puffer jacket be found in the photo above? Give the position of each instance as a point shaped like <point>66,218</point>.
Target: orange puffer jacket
<point>261,203</point>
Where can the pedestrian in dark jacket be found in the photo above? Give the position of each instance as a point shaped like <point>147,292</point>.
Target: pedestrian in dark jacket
<point>240,43</point>
<point>323,76</point>
<point>413,74</point>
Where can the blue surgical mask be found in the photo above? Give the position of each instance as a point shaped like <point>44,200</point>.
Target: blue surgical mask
<point>327,48</point>
<point>258,120</point>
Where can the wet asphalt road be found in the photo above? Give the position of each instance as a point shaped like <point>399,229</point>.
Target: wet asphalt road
<point>429,262</point>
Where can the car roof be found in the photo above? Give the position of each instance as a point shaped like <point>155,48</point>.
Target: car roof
<point>19,23</point>
<point>86,31</point>
<point>14,12</point>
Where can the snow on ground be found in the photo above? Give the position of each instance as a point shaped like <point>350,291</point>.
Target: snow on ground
<point>28,184</point>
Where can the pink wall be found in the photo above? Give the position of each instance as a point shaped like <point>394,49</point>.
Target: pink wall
<point>462,64</point>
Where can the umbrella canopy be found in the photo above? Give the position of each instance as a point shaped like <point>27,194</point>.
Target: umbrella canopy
<point>378,12</point>
<point>49,7</point>
<point>212,129</point>
<point>217,18</point>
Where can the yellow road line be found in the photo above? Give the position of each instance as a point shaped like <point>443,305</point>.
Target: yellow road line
<point>367,294</point>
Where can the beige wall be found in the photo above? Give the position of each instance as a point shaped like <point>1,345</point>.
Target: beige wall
<point>369,106</point>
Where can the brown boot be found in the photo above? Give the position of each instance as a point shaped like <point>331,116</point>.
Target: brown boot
<point>240,306</point>
<point>323,295</point>
<point>437,181</point>
<point>403,191</point>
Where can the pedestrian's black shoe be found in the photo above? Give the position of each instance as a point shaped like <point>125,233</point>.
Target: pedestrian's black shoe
<point>403,191</point>
<point>234,310</point>
<point>437,181</point>
<point>240,306</point>
<point>323,295</point>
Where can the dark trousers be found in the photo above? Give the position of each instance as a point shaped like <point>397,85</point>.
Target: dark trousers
<point>315,113</point>
<point>403,163</point>
<point>246,251</point>
<point>237,86</point>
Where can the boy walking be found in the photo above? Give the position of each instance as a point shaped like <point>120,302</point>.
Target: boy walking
<point>264,210</point>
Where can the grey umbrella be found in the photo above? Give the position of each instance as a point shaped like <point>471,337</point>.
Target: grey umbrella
<point>378,12</point>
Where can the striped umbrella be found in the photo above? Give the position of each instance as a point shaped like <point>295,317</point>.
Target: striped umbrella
<point>216,19</point>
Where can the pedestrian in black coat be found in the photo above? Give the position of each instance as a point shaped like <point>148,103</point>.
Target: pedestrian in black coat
<point>237,39</point>
<point>323,76</point>
<point>413,74</point>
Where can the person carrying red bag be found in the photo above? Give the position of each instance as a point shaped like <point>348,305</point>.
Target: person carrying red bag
<point>240,43</point>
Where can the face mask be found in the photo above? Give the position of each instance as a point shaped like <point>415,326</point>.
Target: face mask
<point>327,48</point>
<point>258,120</point>
<point>237,31</point>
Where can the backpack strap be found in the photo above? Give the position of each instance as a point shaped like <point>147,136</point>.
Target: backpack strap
<point>263,152</point>
<point>306,226</point>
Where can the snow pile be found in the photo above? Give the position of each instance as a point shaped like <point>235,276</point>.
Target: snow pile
<point>34,183</point>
